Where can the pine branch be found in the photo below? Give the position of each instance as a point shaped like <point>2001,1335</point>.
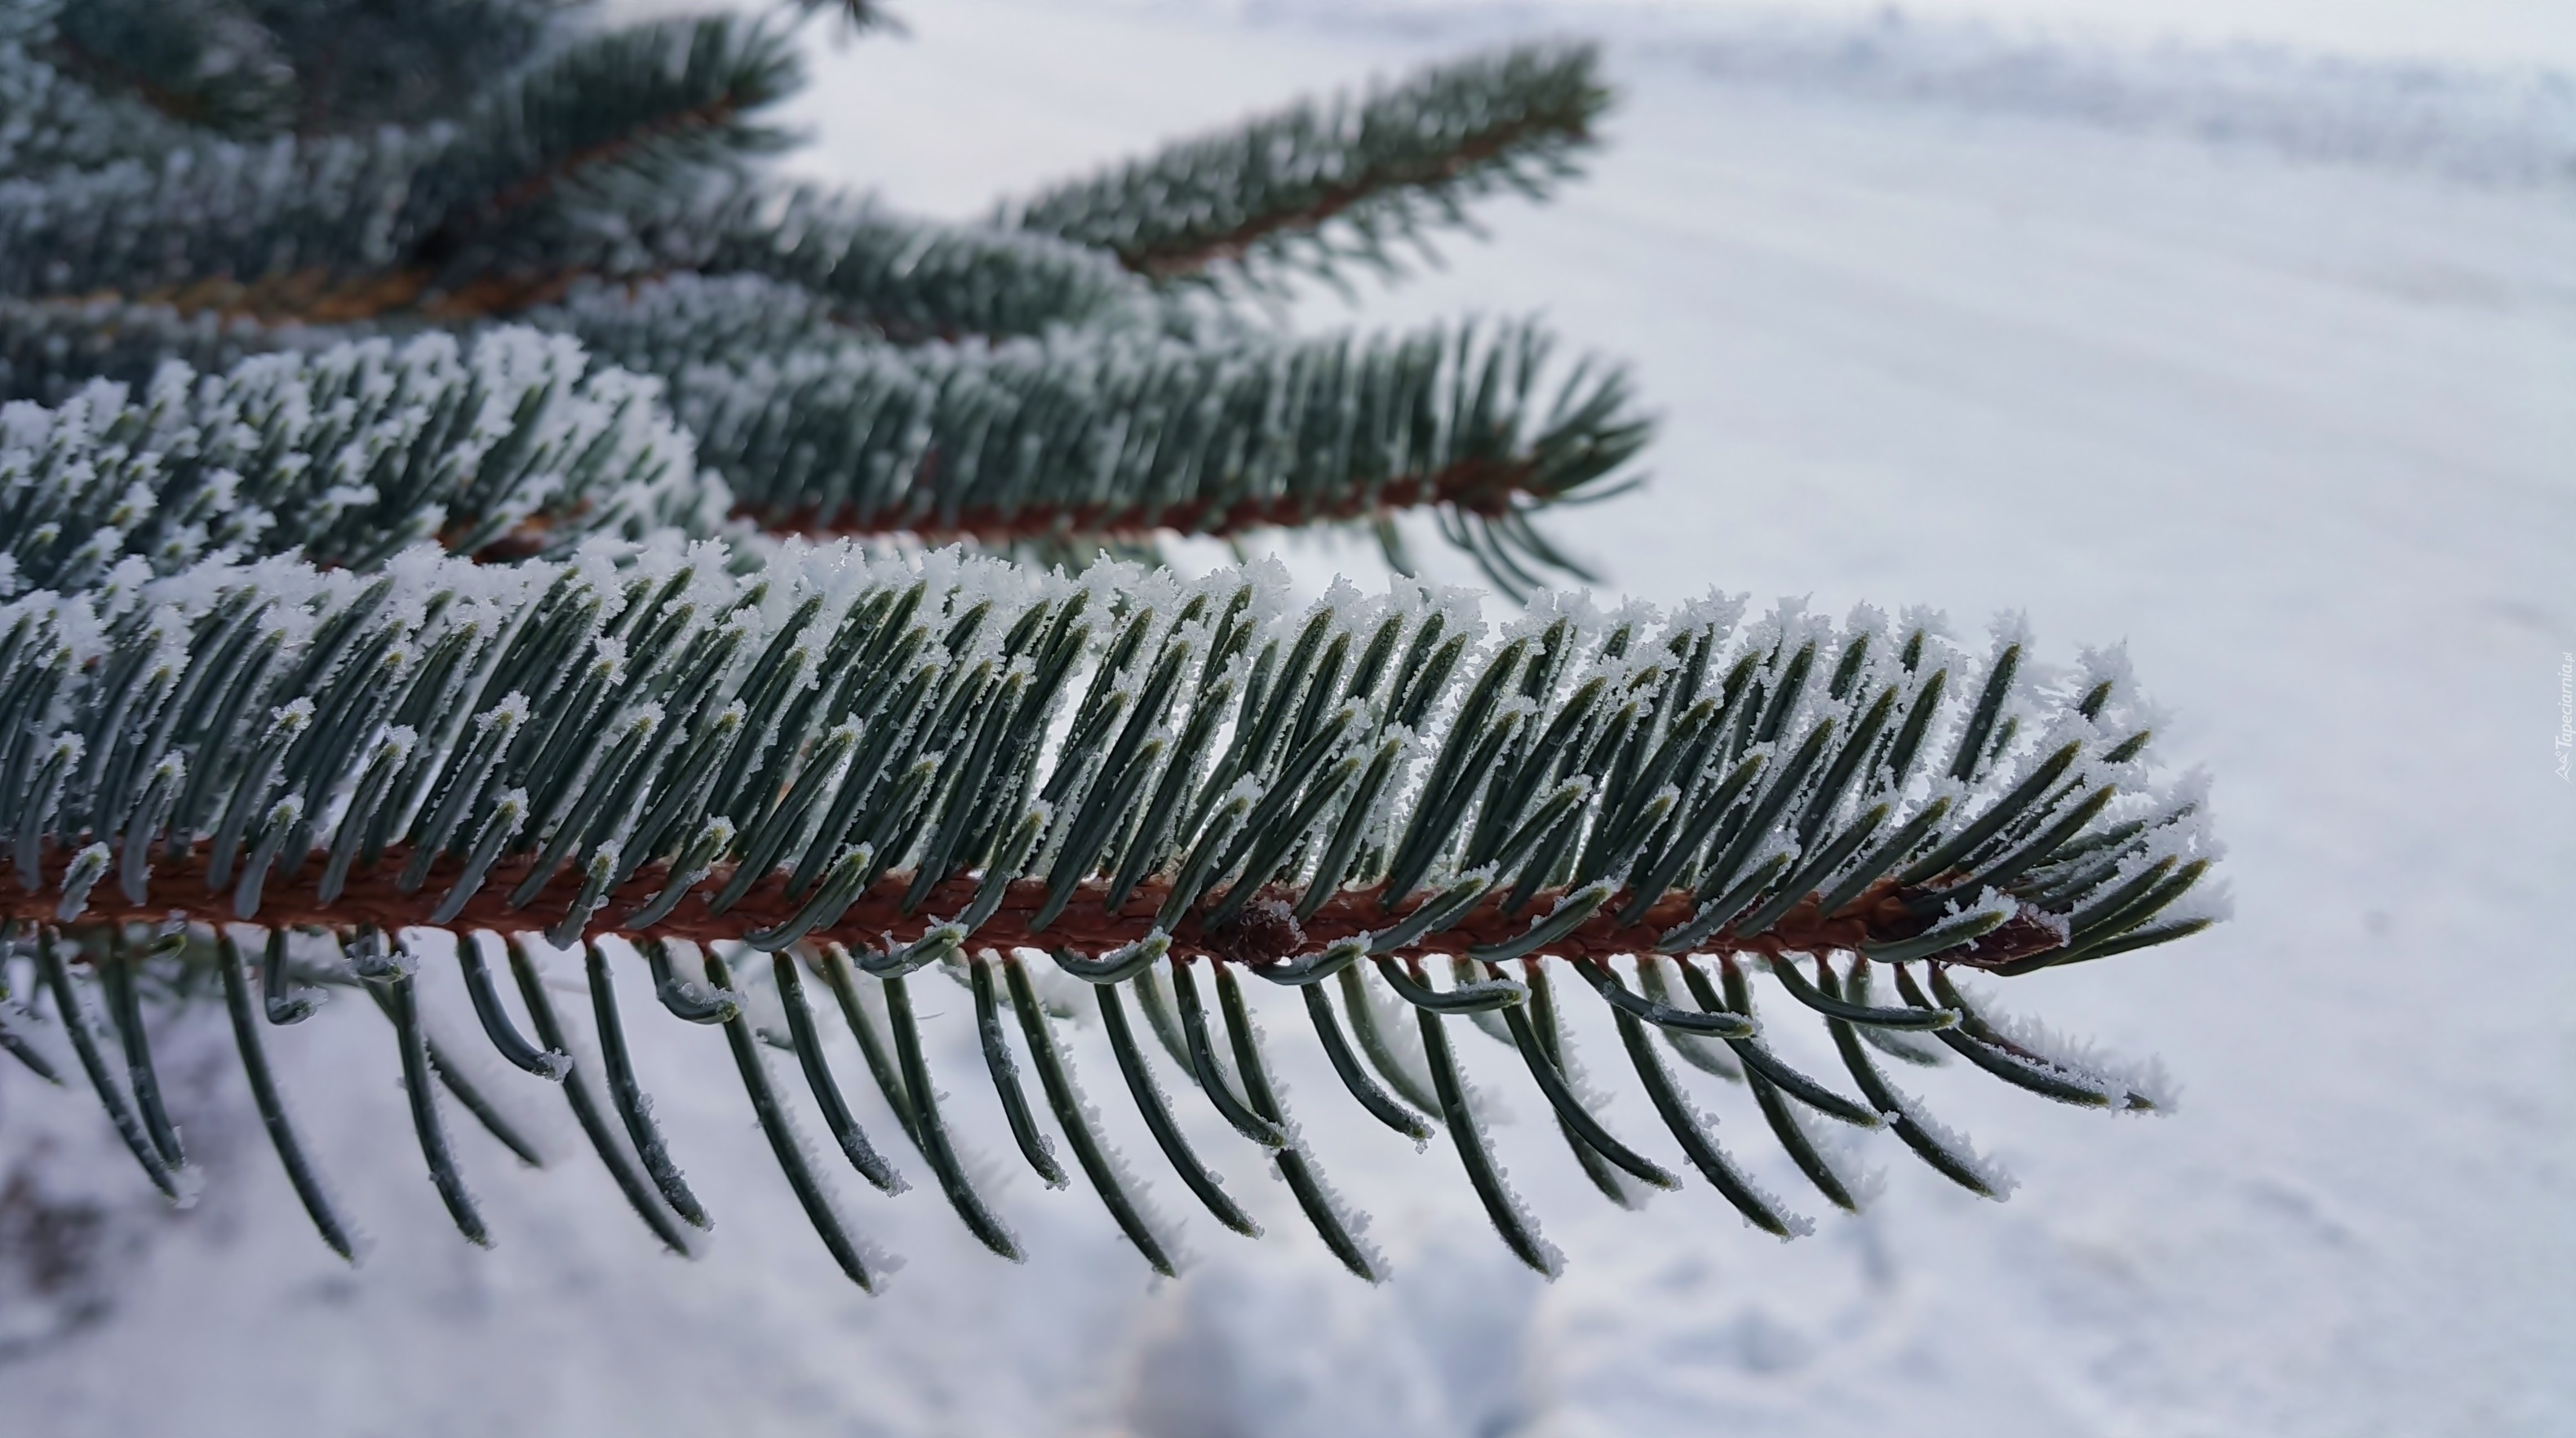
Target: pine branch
<point>261,68</point>
<point>50,120</point>
<point>361,64</point>
<point>908,279</point>
<point>624,112</point>
<point>1316,185</point>
<point>614,157</point>
<point>606,161</point>
<point>821,434</point>
<point>281,228</point>
<point>209,66</point>
<point>50,350</point>
<point>918,762</point>
<point>311,233</point>
<point>1108,439</point>
<point>346,457</point>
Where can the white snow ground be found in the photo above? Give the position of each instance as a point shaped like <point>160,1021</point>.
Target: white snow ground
<point>2301,433</point>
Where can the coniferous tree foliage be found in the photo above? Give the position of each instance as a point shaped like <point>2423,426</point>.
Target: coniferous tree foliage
<point>459,510</point>
<point>847,369</point>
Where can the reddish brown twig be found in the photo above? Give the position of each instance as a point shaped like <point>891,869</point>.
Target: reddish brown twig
<point>178,888</point>
<point>317,296</point>
<point>1479,486</point>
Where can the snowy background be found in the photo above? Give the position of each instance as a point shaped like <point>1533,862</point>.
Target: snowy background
<point>2243,331</point>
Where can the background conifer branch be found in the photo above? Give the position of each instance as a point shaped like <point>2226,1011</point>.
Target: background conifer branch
<point>625,110</point>
<point>346,456</point>
<point>848,371</point>
<point>1318,185</point>
<point>1051,450</point>
<point>632,141</point>
<point>211,67</point>
<point>1054,449</point>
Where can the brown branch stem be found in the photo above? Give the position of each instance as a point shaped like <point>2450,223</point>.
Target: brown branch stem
<point>877,921</point>
<point>1480,486</point>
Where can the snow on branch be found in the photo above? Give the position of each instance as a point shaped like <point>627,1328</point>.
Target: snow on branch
<point>345,456</point>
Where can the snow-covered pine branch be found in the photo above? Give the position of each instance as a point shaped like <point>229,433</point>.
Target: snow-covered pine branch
<point>848,370</point>
<point>511,438</point>
<point>837,759</point>
<point>601,154</point>
<point>1051,450</point>
<point>1056,448</point>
